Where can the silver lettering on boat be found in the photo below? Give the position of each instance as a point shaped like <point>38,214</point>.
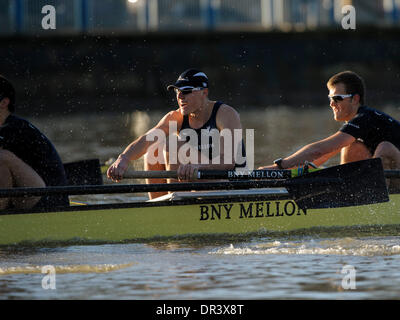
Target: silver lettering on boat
<point>260,174</point>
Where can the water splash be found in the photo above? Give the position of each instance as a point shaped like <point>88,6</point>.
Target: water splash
<point>60,269</point>
<point>345,247</point>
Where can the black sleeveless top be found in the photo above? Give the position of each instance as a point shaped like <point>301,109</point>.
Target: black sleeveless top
<point>20,137</point>
<point>205,145</point>
<point>211,122</point>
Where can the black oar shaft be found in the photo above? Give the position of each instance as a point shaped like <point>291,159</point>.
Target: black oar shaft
<point>392,174</point>
<point>212,174</point>
<point>139,188</point>
<point>229,174</point>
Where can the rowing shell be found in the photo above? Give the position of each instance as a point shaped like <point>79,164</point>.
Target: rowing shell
<point>188,214</point>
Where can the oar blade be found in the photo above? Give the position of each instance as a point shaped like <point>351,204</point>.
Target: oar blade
<point>361,183</point>
<point>85,172</point>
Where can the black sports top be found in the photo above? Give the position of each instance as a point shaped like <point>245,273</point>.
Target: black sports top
<point>373,127</point>
<point>20,137</point>
<point>210,124</point>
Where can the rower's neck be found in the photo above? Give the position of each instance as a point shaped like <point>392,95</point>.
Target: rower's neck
<point>3,116</point>
<point>203,113</point>
<point>354,111</point>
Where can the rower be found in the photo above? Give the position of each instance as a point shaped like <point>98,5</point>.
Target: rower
<point>196,114</point>
<point>27,157</point>
<point>367,132</point>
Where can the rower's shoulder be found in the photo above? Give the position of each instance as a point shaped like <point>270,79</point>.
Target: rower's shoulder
<point>227,117</point>
<point>14,122</point>
<point>226,109</point>
<point>372,114</point>
<point>364,110</point>
<point>173,115</point>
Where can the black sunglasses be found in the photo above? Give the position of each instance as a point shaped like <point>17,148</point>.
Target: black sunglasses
<point>339,97</point>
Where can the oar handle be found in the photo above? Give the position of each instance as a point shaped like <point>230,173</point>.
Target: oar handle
<point>214,174</point>
<point>231,174</point>
<point>132,174</point>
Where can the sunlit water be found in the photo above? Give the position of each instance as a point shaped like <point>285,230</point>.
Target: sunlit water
<point>308,266</point>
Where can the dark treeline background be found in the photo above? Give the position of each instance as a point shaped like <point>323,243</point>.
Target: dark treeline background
<point>246,70</point>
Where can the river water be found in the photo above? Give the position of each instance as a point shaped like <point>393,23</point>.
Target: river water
<point>340,265</point>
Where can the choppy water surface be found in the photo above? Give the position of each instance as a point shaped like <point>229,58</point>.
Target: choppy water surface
<point>339,265</point>
<point>301,268</point>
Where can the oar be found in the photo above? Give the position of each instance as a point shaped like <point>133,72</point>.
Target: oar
<point>232,174</point>
<point>213,174</point>
<point>363,182</point>
<point>84,172</point>
<point>138,188</point>
<point>351,184</point>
